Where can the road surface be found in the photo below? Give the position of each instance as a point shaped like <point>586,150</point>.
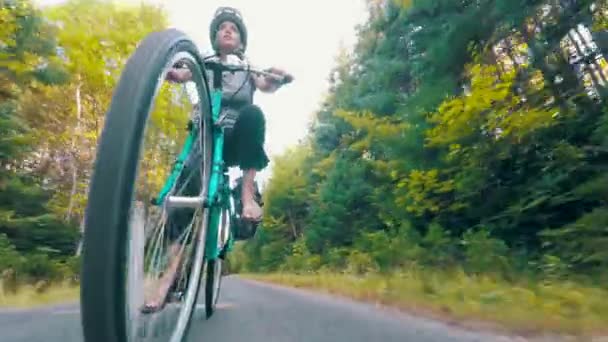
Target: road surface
<point>255,312</point>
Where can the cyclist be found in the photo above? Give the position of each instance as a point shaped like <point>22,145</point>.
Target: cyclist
<point>243,122</point>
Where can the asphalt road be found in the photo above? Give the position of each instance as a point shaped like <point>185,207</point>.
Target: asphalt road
<point>254,312</point>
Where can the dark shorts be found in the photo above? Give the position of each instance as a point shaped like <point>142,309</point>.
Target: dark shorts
<point>243,147</point>
<point>244,142</point>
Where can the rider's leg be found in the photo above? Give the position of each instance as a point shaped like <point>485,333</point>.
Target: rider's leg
<point>249,134</point>
<point>251,209</point>
<point>175,229</point>
<point>162,285</point>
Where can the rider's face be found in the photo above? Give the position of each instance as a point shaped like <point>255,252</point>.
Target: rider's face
<point>228,37</point>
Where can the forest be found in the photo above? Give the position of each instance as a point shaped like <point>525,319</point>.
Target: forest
<point>457,135</point>
<point>57,74</point>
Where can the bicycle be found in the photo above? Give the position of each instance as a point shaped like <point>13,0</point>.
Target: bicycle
<point>197,189</point>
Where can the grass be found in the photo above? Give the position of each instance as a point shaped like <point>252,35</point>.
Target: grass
<point>28,296</point>
<point>525,308</point>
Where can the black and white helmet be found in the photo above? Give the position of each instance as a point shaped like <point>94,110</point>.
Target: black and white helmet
<point>233,15</point>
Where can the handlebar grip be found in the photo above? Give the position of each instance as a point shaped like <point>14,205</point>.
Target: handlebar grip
<point>287,79</point>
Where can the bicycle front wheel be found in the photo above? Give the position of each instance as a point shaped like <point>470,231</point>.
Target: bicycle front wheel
<point>142,263</point>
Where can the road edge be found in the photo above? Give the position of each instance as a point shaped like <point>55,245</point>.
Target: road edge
<point>469,325</point>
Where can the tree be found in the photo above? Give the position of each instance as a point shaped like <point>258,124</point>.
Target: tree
<point>95,45</point>
<point>451,126</point>
<point>28,64</point>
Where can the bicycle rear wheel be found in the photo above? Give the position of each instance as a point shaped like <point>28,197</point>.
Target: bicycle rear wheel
<point>123,251</point>
<point>213,270</point>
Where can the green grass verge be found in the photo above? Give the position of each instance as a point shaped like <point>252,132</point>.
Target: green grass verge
<point>28,296</point>
<point>525,308</point>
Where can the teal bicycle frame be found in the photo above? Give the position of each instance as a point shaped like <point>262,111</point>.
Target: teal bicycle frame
<point>218,195</point>
<point>219,192</point>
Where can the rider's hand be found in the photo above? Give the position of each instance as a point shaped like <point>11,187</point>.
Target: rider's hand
<point>178,75</point>
<point>172,75</point>
<point>283,75</point>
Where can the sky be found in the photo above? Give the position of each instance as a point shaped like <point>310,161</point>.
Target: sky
<point>301,37</point>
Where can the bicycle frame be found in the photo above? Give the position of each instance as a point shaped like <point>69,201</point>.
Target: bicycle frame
<point>218,194</point>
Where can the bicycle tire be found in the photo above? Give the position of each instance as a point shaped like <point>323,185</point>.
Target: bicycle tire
<point>211,296</point>
<point>103,295</point>
<point>215,267</point>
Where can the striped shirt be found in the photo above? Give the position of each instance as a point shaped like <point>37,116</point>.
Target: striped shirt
<point>238,89</point>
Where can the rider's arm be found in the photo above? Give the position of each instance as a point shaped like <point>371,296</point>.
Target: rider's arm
<point>264,84</point>
<point>269,84</point>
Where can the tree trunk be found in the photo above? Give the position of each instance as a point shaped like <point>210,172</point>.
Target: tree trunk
<point>292,224</point>
<point>73,152</point>
<point>80,240</point>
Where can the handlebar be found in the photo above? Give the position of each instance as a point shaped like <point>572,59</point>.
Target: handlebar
<point>218,66</point>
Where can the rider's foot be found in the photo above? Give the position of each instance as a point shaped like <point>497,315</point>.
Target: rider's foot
<point>159,298</point>
<point>251,209</point>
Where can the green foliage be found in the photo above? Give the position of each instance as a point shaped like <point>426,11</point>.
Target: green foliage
<point>300,259</point>
<point>13,140</point>
<point>360,263</point>
<point>9,257</point>
<point>445,141</point>
<point>57,73</point>
<point>583,242</point>
<point>24,218</point>
<point>28,48</point>
<point>484,254</point>
<point>439,248</point>
<point>343,208</point>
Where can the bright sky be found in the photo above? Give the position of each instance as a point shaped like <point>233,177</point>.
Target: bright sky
<point>301,37</point>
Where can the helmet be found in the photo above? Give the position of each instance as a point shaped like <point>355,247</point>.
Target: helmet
<point>228,14</point>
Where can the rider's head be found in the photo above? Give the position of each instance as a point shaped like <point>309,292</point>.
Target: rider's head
<point>228,32</point>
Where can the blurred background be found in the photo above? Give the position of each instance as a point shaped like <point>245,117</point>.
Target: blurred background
<point>440,156</point>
